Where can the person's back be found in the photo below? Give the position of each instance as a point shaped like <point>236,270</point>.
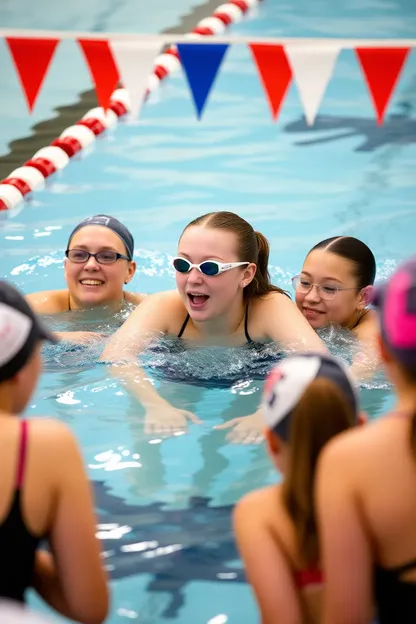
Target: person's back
<point>308,399</point>
<point>44,492</point>
<point>367,486</point>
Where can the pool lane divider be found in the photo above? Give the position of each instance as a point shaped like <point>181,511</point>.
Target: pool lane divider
<point>48,160</point>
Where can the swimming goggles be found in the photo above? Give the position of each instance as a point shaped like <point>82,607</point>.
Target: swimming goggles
<point>209,267</point>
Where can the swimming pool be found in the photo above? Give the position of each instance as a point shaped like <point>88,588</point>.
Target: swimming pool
<point>164,521</point>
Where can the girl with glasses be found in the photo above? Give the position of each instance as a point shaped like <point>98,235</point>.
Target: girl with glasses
<point>99,263</point>
<point>334,288</point>
<point>223,297</point>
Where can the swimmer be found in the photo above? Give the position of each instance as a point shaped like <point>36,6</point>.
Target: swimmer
<point>366,484</point>
<point>44,489</point>
<point>334,288</point>
<point>308,399</point>
<point>223,297</point>
<point>99,262</point>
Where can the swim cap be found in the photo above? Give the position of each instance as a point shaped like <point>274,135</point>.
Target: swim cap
<point>288,381</point>
<point>396,304</point>
<point>113,224</point>
<point>20,330</point>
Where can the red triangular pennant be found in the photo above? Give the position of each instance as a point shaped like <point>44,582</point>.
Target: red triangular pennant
<point>102,67</point>
<point>31,58</point>
<point>381,68</point>
<point>274,71</point>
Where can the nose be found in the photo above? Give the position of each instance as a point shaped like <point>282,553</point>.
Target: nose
<point>92,264</point>
<point>195,276</point>
<point>314,294</point>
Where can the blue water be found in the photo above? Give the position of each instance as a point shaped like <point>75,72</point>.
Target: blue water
<point>298,186</point>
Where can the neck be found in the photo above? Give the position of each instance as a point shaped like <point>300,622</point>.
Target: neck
<point>225,325</point>
<point>6,399</point>
<point>113,306</point>
<point>355,319</point>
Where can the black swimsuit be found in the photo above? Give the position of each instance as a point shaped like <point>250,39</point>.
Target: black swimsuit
<point>395,598</point>
<point>17,544</point>
<point>247,335</point>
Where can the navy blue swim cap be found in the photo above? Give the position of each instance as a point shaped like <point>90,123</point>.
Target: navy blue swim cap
<point>113,224</point>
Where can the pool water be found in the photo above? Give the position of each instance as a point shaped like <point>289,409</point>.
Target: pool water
<point>165,506</point>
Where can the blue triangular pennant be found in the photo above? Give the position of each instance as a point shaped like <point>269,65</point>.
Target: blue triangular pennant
<point>201,62</point>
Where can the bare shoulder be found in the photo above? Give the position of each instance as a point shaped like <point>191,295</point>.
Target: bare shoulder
<point>49,301</point>
<point>49,431</point>
<point>361,445</point>
<point>52,436</point>
<point>135,298</point>
<point>157,312</point>
<point>271,304</point>
<point>254,506</point>
<point>367,329</point>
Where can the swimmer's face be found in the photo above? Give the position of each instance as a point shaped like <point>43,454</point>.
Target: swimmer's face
<point>207,297</point>
<point>329,271</point>
<point>90,283</point>
<point>26,380</point>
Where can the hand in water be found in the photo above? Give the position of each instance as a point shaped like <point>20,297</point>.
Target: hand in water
<point>167,420</point>
<point>244,430</point>
<point>80,337</point>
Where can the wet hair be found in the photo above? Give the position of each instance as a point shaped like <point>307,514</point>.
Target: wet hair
<point>356,252</point>
<point>252,247</point>
<point>322,413</point>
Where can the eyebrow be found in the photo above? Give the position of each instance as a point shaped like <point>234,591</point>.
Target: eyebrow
<point>105,248</point>
<point>334,279</point>
<point>212,257</point>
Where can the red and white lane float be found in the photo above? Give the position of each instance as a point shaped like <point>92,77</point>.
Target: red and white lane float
<point>54,157</point>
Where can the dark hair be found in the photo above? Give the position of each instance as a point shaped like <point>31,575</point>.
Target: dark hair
<point>322,412</point>
<point>356,252</point>
<point>252,247</point>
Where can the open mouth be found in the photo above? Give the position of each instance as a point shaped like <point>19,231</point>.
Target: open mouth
<point>91,282</point>
<point>197,300</point>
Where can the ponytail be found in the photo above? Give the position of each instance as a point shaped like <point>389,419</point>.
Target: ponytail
<point>261,283</point>
<point>321,413</point>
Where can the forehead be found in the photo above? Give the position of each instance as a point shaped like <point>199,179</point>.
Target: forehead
<point>321,264</point>
<point>95,237</point>
<point>200,242</point>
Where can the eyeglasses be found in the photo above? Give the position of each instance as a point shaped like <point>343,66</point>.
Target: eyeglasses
<point>303,285</point>
<point>80,256</point>
<point>209,267</point>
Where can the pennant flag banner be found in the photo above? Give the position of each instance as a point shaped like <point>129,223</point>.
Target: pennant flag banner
<point>381,68</point>
<point>201,64</point>
<point>102,67</point>
<point>274,71</point>
<point>135,61</point>
<point>312,68</point>
<point>31,58</point>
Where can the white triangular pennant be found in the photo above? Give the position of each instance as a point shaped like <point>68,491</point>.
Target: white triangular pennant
<point>135,61</point>
<point>312,68</point>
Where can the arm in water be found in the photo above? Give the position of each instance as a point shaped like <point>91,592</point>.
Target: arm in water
<point>281,322</point>
<point>138,331</point>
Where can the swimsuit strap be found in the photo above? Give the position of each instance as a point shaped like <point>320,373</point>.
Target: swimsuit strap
<point>399,570</point>
<point>183,326</point>
<point>249,340</point>
<point>69,302</point>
